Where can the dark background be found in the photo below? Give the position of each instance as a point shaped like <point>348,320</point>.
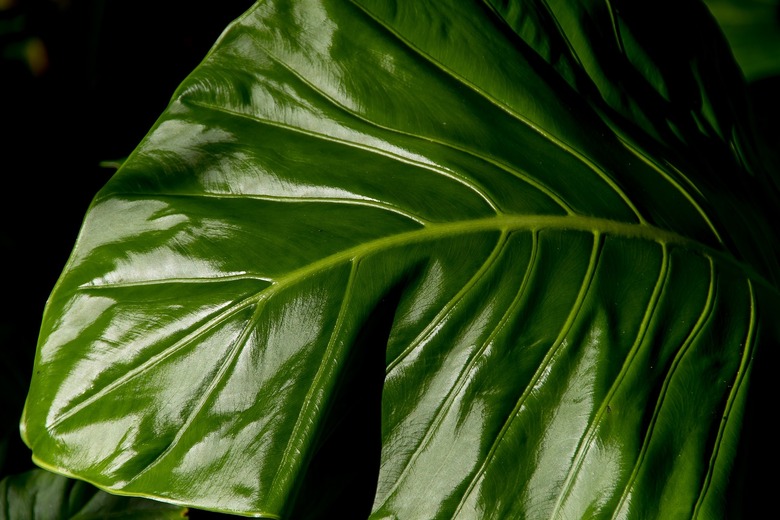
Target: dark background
<point>81,82</point>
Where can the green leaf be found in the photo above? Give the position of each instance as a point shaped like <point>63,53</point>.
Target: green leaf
<point>477,260</point>
<point>40,495</point>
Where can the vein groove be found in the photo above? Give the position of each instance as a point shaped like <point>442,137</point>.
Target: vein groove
<point>478,190</point>
<point>460,380</point>
<point>586,441</point>
<point>158,358</point>
<point>218,378</point>
<point>739,380</point>
<point>600,172</point>
<point>438,416</point>
<point>546,362</point>
<point>695,331</point>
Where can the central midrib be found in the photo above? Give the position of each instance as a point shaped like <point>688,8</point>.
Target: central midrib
<point>499,224</point>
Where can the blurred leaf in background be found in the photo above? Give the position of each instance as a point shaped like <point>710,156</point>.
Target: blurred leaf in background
<point>39,495</point>
<point>752,28</point>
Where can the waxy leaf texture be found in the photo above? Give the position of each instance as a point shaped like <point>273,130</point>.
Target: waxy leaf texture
<point>524,241</point>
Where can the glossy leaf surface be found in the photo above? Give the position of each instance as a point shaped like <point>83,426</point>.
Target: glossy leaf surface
<point>553,244</point>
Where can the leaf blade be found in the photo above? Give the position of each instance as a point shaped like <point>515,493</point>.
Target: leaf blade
<point>225,275</point>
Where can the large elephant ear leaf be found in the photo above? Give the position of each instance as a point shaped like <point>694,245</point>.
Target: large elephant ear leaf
<point>434,217</point>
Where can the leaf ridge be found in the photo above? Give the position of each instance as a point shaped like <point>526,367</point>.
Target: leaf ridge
<point>507,222</point>
<point>449,305</point>
<point>226,363</point>
<point>295,439</point>
<point>92,286</point>
<point>613,19</point>
<point>435,168</point>
<point>368,202</point>
<point>229,360</point>
<point>562,34</point>
<point>695,331</point>
<point>612,10</point>
<point>586,440</point>
<point>510,169</point>
<point>739,380</point>
<point>671,180</point>
<point>352,113</point>
<point>600,172</point>
<point>598,242</point>
<point>460,379</point>
<point>156,359</point>
<point>498,223</point>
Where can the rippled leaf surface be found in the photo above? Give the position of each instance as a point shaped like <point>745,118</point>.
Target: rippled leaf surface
<point>542,221</point>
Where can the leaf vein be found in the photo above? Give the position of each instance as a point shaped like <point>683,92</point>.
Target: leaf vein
<point>156,359</point>
<point>695,331</point>
<point>548,358</point>
<point>226,363</point>
<point>560,143</point>
<point>586,441</point>
<point>426,165</point>
<point>739,379</point>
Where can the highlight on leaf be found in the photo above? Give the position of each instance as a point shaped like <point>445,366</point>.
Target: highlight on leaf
<point>432,259</point>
